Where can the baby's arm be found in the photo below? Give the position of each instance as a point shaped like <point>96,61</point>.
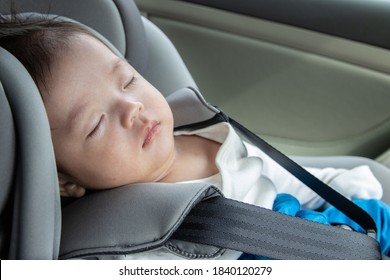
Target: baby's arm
<point>358,182</point>
<point>354,183</point>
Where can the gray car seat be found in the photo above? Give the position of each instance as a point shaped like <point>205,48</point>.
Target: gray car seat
<point>29,196</point>
<point>30,207</point>
<point>29,228</point>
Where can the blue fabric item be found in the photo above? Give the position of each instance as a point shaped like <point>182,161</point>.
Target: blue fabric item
<point>312,215</point>
<point>378,210</point>
<point>288,204</point>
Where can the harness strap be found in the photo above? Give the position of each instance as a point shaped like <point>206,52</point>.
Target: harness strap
<point>247,228</point>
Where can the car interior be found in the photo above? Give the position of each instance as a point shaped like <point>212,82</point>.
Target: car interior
<point>303,76</point>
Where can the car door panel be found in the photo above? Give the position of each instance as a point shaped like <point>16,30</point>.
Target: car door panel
<point>307,92</point>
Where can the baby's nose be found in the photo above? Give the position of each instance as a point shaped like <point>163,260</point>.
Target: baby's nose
<point>131,112</point>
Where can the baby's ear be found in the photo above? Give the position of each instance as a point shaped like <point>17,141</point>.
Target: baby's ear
<point>69,188</point>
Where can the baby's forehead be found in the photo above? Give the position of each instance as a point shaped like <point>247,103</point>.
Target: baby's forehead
<point>83,49</point>
<point>87,38</point>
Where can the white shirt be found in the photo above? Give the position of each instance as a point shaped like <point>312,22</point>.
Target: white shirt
<point>249,175</point>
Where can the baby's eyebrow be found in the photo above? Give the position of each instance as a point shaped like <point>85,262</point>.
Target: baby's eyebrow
<point>117,63</point>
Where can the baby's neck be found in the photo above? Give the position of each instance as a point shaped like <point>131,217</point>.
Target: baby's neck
<point>195,159</point>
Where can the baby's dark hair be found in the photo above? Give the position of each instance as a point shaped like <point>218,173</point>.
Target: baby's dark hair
<point>36,41</point>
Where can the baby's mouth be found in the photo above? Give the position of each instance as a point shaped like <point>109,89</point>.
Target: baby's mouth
<point>151,131</point>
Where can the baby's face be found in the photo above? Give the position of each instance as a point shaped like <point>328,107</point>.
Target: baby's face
<point>109,126</point>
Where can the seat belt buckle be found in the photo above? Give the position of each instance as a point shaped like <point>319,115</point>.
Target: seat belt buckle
<point>372,233</point>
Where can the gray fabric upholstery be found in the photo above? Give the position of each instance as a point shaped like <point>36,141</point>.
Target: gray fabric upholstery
<point>140,217</point>
<point>166,69</point>
<point>35,176</point>
<point>189,107</point>
<point>137,39</point>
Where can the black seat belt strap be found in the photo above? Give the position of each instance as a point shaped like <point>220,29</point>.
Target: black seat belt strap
<point>330,195</point>
<point>247,228</point>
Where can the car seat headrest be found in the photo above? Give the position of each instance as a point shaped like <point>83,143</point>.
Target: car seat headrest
<point>126,33</point>
<point>34,227</point>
